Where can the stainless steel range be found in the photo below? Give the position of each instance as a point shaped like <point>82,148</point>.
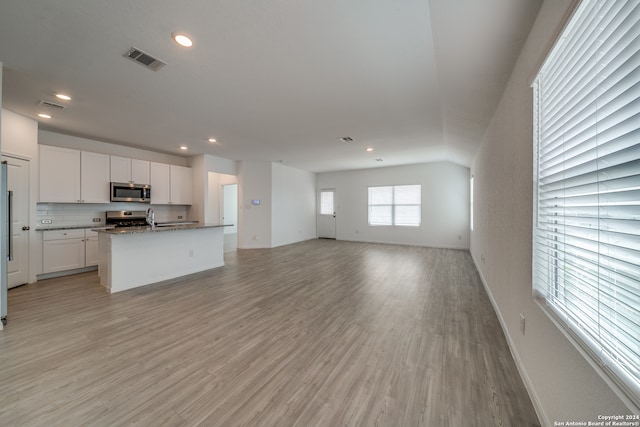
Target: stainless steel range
<point>126,218</point>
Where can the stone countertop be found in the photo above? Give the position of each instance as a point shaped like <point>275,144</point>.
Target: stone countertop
<point>72,227</point>
<point>148,229</point>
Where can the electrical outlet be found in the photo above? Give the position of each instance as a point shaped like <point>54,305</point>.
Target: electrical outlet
<point>47,221</point>
<point>96,220</point>
<point>522,323</point>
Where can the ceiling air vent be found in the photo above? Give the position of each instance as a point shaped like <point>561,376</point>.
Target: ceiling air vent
<point>51,106</point>
<point>144,59</point>
<point>346,139</point>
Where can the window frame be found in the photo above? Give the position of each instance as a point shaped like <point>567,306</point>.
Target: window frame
<point>560,287</point>
<point>393,205</point>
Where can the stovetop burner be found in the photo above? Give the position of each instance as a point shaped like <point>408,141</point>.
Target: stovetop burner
<point>126,218</point>
<point>129,224</point>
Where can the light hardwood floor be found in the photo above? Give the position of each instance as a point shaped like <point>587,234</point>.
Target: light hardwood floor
<point>320,333</point>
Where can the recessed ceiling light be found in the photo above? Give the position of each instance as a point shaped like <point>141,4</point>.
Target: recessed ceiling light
<point>63,96</point>
<point>369,149</point>
<point>212,140</point>
<point>44,116</point>
<point>183,147</point>
<point>182,39</point>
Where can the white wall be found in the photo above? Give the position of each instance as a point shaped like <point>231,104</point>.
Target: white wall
<point>286,213</point>
<point>254,221</point>
<point>445,204</point>
<point>205,205</point>
<point>293,205</point>
<point>563,386</point>
<point>20,139</point>
<point>220,165</point>
<point>199,183</point>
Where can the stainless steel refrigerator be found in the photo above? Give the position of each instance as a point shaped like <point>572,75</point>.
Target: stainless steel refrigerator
<point>5,240</point>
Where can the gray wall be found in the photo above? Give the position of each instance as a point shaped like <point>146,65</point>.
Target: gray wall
<point>563,385</point>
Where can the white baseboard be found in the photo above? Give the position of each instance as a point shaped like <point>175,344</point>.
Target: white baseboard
<point>421,245</point>
<point>537,405</point>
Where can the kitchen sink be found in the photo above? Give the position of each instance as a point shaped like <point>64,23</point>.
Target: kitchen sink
<point>172,224</point>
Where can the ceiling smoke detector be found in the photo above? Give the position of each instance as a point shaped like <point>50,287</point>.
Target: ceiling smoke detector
<point>346,139</point>
<point>51,106</point>
<point>144,59</point>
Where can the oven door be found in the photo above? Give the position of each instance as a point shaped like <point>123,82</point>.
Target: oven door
<point>125,192</point>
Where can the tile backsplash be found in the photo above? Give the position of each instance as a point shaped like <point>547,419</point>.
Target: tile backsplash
<point>73,214</point>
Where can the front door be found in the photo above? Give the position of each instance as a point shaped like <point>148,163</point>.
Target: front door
<point>327,215</point>
<point>18,185</point>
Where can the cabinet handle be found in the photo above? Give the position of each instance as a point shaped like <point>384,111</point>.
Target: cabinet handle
<point>26,228</point>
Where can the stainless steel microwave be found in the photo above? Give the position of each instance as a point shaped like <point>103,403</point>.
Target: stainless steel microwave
<point>129,192</point>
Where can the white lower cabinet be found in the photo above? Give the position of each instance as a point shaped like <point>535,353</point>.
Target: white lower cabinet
<point>68,250</point>
<point>90,248</point>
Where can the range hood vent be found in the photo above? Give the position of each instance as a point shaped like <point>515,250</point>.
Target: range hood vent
<point>144,59</point>
<point>51,106</point>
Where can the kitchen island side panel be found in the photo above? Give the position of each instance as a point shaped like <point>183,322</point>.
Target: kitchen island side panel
<point>140,259</point>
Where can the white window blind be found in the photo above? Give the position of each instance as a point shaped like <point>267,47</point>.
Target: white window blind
<point>471,203</point>
<point>395,205</point>
<point>586,254</point>
<point>326,203</point>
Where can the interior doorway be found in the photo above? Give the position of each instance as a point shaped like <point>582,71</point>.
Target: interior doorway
<point>230,216</point>
<point>222,206</point>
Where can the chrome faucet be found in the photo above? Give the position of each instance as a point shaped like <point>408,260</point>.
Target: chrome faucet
<point>151,218</point>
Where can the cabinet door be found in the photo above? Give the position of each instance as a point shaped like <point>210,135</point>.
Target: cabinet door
<point>59,175</point>
<point>91,256</point>
<point>60,255</point>
<point>95,177</point>
<point>181,185</point>
<point>159,178</point>
<point>120,169</point>
<point>140,172</point>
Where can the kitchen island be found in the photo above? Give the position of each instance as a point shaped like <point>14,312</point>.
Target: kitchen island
<point>130,257</point>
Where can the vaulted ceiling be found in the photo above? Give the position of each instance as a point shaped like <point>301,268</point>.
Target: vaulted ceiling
<point>277,80</point>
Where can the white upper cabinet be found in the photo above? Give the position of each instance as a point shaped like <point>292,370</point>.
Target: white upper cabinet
<point>181,185</point>
<point>59,175</point>
<point>159,183</point>
<point>95,176</point>
<point>124,169</point>
<point>72,176</point>
<point>140,171</point>
<point>170,184</point>
<point>120,169</point>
